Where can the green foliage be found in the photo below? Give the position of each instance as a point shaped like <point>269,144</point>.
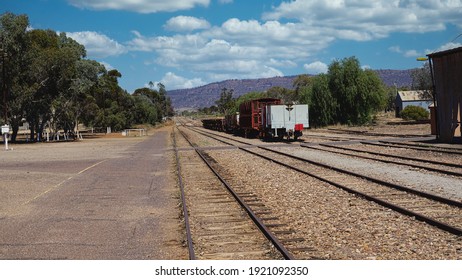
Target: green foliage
<point>144,110</point>
<point>358,93</point>
<point>212,110</point>
<point>286,95</point>
<point>247,97</point>
<point>347,94</point>
<point>226,102</point>
<point>149,105</point>
<point>49,83</point>
<point>323,105</point>
<point>415,113</point>
<point>303,88</point>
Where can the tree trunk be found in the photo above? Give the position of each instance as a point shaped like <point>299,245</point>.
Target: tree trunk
<point>15,127</point>
<point>32,131</point>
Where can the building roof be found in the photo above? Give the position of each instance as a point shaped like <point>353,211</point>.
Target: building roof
<point>413,95</point>
<point>444,53</point>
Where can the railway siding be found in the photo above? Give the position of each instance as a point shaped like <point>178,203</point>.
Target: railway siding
<point>336,224</point>
<point>447,186</point>
<point>220,228</point>
<point>331,223</point>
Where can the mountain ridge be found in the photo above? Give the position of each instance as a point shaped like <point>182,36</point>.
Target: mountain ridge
<point>206,95</point>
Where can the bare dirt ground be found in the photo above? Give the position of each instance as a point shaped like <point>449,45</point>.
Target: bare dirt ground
<point>108,197</point>
<point>386,123</point>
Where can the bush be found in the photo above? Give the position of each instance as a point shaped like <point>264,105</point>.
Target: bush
<point>415,113</point>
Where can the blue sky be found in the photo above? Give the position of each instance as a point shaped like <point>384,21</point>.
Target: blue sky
<point>189,43</point>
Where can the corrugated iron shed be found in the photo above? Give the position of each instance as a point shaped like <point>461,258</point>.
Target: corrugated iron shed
<point>447,82</point>
<point>413,95</point>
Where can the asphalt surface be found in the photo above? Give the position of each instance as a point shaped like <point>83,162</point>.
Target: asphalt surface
<point>114,200</point>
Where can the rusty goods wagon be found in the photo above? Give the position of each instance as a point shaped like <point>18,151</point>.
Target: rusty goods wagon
<point>252,115</point>
<point>214,124</point>
<point>266,118</point>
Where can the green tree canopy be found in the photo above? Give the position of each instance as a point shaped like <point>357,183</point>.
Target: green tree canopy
<point>47,81</point>
<point>357,92</point>
<point>226,103</point>
<point>422,80</point>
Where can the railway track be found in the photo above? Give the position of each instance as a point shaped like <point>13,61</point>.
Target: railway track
<point>450,169</point>
<point>437,211</point>
<point>418,147</point>
<point>413,162</point>
<point>222,223</point>
<point>368,133</point>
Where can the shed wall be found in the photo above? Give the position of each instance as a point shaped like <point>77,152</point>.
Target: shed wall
<point>447,72</point>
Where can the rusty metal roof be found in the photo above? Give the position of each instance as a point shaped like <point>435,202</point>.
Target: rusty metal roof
<point>446,52</point>
<point>413,95</point>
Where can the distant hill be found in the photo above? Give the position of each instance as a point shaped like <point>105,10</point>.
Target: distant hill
<point>399,78</point>
<point>205,96</point>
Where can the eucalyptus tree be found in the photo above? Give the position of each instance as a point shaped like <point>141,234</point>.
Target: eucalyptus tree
<point>166,108</point>
<point>322,103</point>
<point>357,92</point>
<point>422,80</point>
<point>226,102</point>
<point>14,45</point>
<point>144,111</point>
<point>286,95</point>
<point>147,105</point>
<point>113,104</point>
<point>70,106</point>
<point>247,97</point>
<point>52,69</point>
<point>302,88</point>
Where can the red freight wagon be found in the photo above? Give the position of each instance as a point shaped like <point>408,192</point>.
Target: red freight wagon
<point>252,115</point>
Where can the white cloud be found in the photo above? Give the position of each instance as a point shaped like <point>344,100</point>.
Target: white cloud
<point>97,45</point>
<point>289,35</point>
<point>282,63</point>
<point>395,49</point>
<point>316,67</point>
<point>186,23</point>
<point>236,49</point>
<point>107,66</point>
<point>405,53</point>
<point>367,20</point>
<point>448,46</point>
<point>412,53</point>
<point>172,81</point>
<point>215,57</point>
<point>140,6</point>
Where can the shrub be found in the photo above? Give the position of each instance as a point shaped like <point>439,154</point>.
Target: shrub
<point>415,113</point>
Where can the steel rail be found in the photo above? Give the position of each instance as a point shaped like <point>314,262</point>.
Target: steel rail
<point>447,172</point>
<point>424,146</point>
<point>258,222</point>
<point>375,180</point>
<point>367,133</point>
<point>403,146</point>
<point>430,221</point>
<point>192,255</point>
